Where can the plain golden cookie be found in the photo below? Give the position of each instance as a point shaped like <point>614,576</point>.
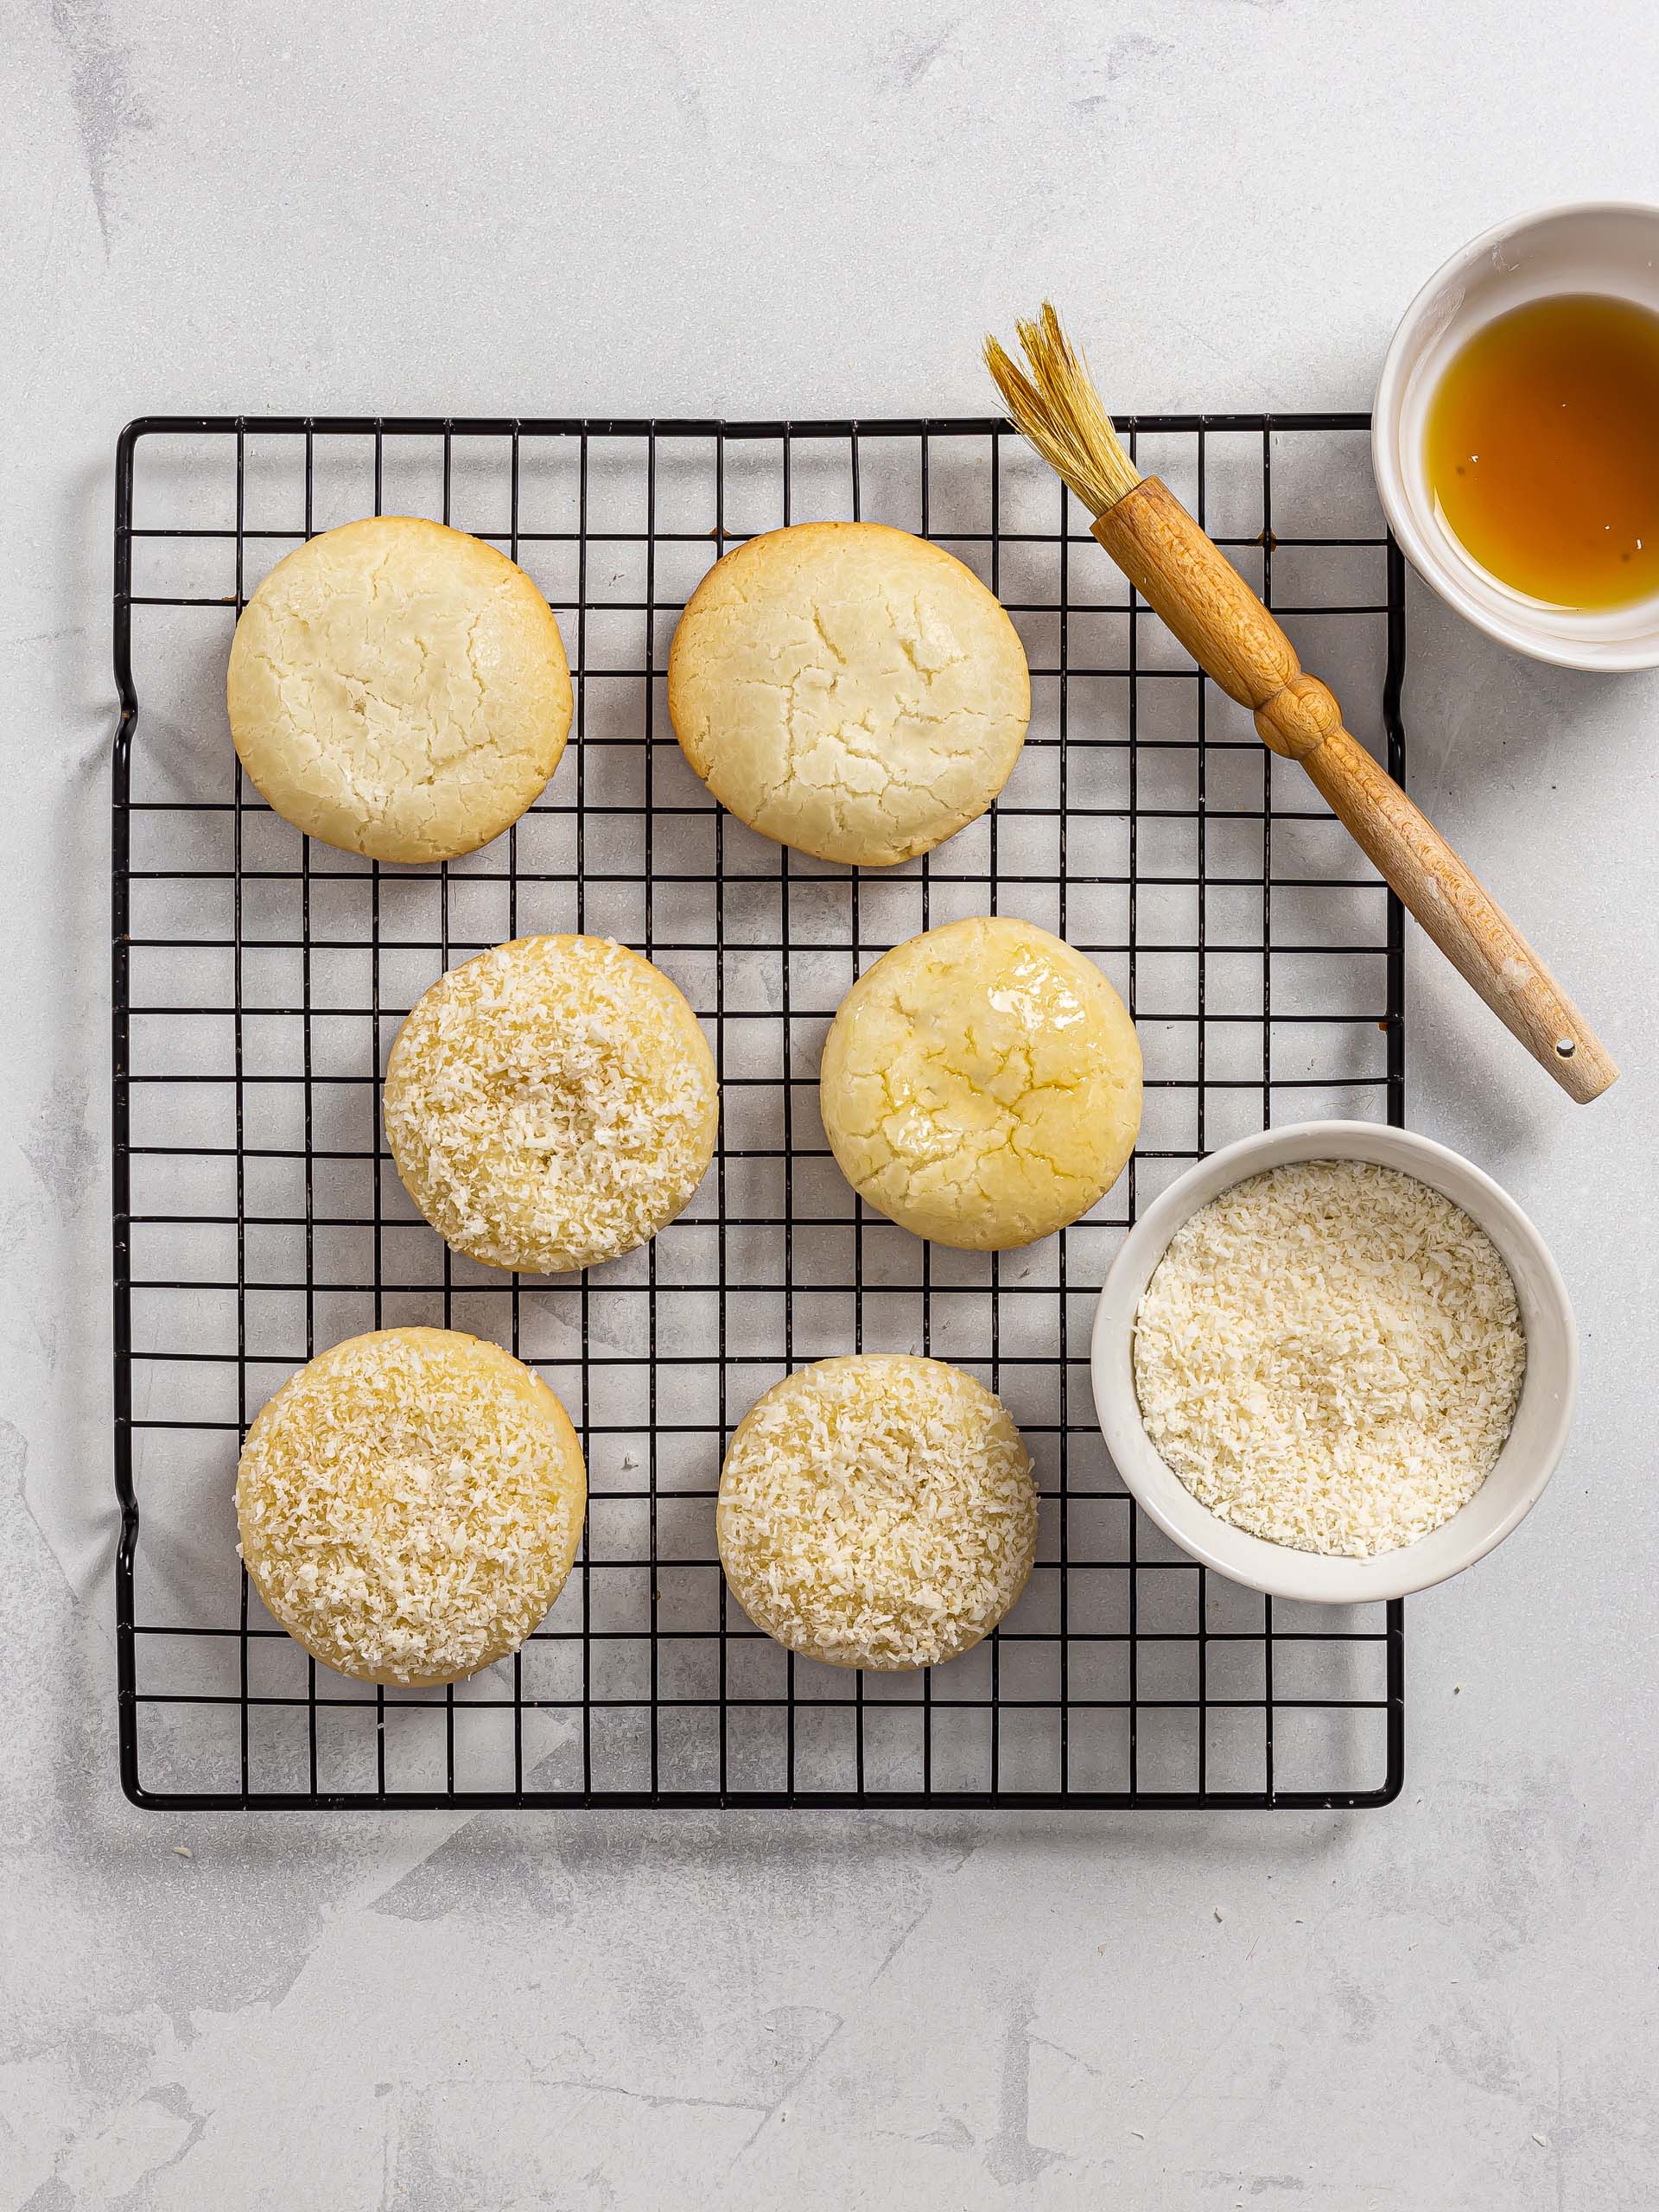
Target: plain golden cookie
<point>409,1504</point>
<point>399,690</point>
<point>849,689</point>
<point>877,1511</point>
<point>981,1084</point>
<point>552,1103</point>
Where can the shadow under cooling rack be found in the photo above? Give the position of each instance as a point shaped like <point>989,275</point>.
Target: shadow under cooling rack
<point>259,979</point>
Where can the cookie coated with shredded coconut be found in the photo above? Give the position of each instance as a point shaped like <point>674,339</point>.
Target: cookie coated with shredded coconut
<point>410,1504</point>
<point>552,1104</point>
<point>877,1511</point>
<point>1330,1355</point>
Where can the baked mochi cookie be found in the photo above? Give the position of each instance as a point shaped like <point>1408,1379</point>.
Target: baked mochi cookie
<point>409,1504</point>
<point>981,1084</point>
<point>552,1103</point>
<point>399,690</point>
<point>849,689</point>
<point>877,1511</point>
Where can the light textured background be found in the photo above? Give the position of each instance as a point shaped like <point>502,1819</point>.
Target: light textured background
<point>714,208</point>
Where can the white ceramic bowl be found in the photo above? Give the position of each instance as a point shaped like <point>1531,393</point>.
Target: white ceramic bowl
<point>1525,1465</point>
<point>1602,245</point>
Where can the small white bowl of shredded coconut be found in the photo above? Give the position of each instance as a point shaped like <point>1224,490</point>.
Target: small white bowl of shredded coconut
<point>1335,1362</point>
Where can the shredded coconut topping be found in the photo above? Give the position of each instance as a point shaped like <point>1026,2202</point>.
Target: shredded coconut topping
<point>552,1103</point>
<point>877,1511</point>
<point>1330,1355</point>
<point>409,1504</point>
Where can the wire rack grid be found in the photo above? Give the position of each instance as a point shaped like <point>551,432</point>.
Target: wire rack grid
<point>259,979</point>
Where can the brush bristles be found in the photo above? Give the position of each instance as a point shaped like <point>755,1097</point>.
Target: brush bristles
<point>1058,409</point>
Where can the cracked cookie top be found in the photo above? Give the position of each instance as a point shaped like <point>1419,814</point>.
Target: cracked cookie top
<point>399,690</point>
<point>849,689</point>
<point>981,1084</point>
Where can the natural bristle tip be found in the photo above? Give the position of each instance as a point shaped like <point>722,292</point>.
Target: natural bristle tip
<point>1053,404</point>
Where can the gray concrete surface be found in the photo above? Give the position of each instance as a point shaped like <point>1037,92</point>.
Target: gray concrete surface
<point>1449,2005</point>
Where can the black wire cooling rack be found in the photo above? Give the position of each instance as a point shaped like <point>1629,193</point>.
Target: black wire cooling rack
<point>259,979</point>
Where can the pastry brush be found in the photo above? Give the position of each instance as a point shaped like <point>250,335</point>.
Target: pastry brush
<point>1187,579</point>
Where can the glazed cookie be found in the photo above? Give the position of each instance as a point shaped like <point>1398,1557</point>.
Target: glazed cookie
<point>399,690</point>
<point>552,1103</point>
<point>409,1504</point>
<point>849,689</point>
<point>877,1511</point>
<point>981,1084</point>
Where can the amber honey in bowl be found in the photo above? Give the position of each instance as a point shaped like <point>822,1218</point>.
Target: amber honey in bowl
<point>1541,450</point>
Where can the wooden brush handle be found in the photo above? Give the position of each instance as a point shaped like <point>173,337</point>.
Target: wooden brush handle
<point>1222,624</point>
<point>1469,927</point>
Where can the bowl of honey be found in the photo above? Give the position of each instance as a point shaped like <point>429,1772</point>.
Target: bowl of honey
<point>1515,434</point>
